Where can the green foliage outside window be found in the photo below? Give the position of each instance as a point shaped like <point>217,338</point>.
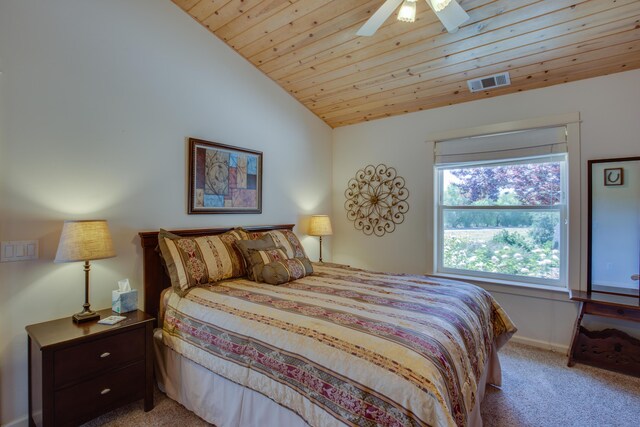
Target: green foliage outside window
<point>502,241</point>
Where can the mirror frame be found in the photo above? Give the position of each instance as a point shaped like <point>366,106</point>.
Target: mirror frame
<point>590,164</point>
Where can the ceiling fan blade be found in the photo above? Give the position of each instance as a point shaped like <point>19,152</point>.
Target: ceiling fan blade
<point>371,26</point>
<point>451,16</point>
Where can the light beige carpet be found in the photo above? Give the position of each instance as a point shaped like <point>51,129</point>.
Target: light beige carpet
<point>538,390</point>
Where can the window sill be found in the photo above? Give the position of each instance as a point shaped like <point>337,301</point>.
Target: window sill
<point>513,288</point>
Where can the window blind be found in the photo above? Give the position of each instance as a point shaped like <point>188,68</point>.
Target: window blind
<point>509,145</point>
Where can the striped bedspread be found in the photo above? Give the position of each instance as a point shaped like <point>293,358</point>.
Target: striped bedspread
<point>345,346</point>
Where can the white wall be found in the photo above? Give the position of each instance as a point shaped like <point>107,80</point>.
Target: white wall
<point>608,108</point>
<point>96,99</point>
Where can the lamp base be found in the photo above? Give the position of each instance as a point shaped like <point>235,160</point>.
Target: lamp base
<point>85,316</point>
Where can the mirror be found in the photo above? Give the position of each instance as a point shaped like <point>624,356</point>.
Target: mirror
<point>614,226</point>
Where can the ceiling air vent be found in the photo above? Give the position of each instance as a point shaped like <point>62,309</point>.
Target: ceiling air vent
<point>489,82</point>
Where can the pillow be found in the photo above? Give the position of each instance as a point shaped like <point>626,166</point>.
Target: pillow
<point>285,238</point>
<point>283,271</point>
<point>239,233</point>
<point>193,261</point>
<point>259,257</point>
<point>264,242</point>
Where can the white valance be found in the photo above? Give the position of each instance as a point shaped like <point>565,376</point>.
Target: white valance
<point>502,146</point>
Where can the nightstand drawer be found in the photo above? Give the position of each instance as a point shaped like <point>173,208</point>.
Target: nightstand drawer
<point>83,360</point>
<point>83,401</point>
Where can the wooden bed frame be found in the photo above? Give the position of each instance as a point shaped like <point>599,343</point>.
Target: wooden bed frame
<point>154,275</point>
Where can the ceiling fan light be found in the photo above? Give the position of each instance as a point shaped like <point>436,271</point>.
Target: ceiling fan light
<point>452,16</point>
<point>439,5</point>
<point>407,11</point>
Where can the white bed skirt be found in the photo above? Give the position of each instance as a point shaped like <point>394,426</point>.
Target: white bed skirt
<point>227,404</point>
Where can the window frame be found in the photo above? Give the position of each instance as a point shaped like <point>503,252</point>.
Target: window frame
<point>563,208</point>
<point>577,251</point>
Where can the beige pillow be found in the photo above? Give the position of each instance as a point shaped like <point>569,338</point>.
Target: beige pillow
<point>284,238</point>
<point>194,261</point>
<point>283,271</point>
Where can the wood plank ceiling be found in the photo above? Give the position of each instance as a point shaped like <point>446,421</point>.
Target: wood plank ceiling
<point>310,48</point>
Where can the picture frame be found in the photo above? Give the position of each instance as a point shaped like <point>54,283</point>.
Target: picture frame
<point>613,177</point>
<point>223,179</point>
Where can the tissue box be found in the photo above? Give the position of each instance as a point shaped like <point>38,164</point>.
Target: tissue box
<point>123,302</point>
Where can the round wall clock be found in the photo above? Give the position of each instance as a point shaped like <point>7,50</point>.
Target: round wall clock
<point>376,200</point>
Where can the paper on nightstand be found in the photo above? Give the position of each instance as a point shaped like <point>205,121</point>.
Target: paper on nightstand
<point>111,320</point>
<point>124,299</point>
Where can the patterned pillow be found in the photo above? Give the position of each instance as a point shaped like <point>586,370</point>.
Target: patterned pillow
<point>279,272</point>
<point>258,258</point>
<point>285,238</point>
<point>193,261</point>
<point>264,242</point>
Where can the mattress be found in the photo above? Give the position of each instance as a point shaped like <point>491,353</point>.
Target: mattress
<point>346,346</point>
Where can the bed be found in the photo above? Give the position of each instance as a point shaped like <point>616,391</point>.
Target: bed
<point>342,346</point>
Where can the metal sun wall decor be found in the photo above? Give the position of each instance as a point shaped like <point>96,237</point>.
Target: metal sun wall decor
<point>376,200</point>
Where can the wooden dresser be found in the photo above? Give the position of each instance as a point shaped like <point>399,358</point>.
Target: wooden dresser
<point>609,349</point>
<point>78,371</point>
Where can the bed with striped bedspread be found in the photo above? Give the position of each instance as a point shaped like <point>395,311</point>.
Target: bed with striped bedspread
<point>345,346</point>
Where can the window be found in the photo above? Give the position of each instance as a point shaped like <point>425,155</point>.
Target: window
<point>506,217</point>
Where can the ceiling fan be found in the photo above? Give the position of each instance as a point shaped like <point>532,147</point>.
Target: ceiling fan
<point>450,13</point>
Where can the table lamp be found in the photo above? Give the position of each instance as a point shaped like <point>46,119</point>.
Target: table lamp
<point>85,241</point>
<point>320,225</point>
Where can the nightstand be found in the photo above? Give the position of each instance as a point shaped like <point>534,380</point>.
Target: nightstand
<point>78,371</point>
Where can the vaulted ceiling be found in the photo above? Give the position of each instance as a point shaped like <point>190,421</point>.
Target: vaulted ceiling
<point>310,48</point>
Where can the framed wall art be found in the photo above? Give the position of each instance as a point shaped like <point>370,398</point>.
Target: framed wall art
<point>614,176</point>
<point>224,179</point>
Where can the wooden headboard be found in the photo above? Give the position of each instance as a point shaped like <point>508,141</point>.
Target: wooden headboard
<point>154,275</point>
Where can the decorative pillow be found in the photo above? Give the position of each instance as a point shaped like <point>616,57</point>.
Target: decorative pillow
<point>279,272</point>
<point>259,257</point>
<point>285,238</point>
<point>239,233</point>
<point>264,242</point>
<point>193,261</point>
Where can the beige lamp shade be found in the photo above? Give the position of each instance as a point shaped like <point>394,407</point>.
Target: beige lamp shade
<point>320,225</point>
<point>85,241</point>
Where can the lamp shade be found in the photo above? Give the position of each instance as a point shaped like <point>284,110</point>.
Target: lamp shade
<point>407,12</point>
<point>439,5</point>
<point>320,225</point>
<point>85,241</point>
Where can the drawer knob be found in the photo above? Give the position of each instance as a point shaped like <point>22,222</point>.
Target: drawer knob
<point>105,391</point>
<point>105,354</point>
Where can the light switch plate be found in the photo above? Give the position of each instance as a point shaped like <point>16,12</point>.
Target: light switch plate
<point>19,250</point>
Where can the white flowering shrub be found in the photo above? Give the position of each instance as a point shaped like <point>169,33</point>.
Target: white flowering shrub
<point>521,257</point>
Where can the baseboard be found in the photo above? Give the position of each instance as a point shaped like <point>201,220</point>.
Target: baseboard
<point>557,348</point>
<point>20,422</point>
